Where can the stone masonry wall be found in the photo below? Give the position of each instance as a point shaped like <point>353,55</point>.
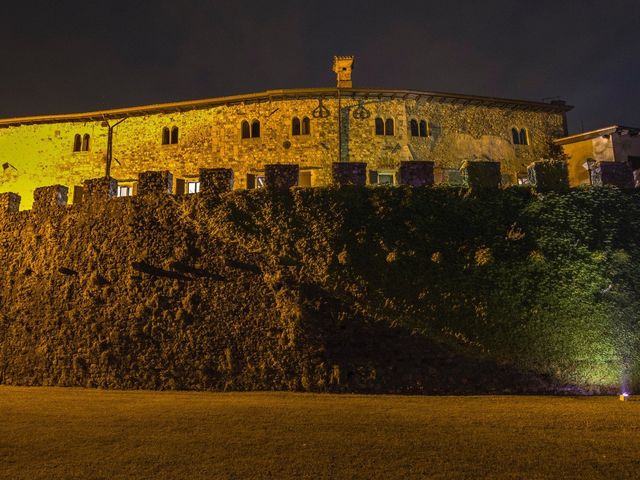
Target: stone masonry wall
<point>42,154</point>
<point>157,292</point>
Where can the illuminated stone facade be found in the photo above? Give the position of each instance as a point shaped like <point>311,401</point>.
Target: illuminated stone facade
<point>448,130</point>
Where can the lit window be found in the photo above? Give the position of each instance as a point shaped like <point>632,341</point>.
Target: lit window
<point>193,187</point>
<point>124,191</point>
<point>295,126</point>
<point>255,181</point>
<point>523,179</point>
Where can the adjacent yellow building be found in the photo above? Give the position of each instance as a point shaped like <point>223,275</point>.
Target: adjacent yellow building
<point>610,144</point>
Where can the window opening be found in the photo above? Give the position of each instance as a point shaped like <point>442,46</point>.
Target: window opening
<point>306,126</point>
<point>515,136</point>
<point>379,126</point>
<point>385,178</point>
<point>245,129</point>
<point>295,126</point>
<point>255,129</point>
<point>414,128</point>
<point>424,128</point>
<point>77,143</point>
<point>388,127</point>
<point>193,187</point>
<point>523,137</point>
<point>124,191</point>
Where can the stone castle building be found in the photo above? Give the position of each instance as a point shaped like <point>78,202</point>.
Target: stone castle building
<point>312,127</point>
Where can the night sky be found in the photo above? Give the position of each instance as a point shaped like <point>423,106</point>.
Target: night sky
<point>65,56</point>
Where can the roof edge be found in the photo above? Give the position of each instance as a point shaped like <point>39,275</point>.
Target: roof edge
<point>579,137</point>
<point>289,93</point>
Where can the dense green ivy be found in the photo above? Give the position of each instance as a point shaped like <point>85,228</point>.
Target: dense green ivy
<point>547,282</point>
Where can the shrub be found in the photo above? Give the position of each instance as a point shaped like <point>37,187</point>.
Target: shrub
<point>549,175</point>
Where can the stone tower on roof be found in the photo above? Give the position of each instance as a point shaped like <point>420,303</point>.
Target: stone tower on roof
<point>343,66</point>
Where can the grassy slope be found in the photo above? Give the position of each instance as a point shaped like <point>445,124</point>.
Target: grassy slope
<point>73,433</point>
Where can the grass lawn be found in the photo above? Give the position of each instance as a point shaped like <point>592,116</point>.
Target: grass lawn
<point>49,433</point>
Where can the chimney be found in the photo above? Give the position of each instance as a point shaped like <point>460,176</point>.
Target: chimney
<point>343,66</point>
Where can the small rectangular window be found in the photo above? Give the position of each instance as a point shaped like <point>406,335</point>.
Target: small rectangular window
<point>260,183</point>
<point>385,178</point>
<point>124,191</point>
<point>193,187</point>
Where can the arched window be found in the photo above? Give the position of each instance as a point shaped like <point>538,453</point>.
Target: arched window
<point>424,128</point>
<point>379,126</point>
<point>77,143</point>
<point>306,126</point>
<point>388,127</point>
<point>85,142</point>
<point>165,136</point>
<point>515,136</point>
<point>255,129</point>
<point>295,126</point>
<point>524,140</point>
<point>245,130</point>
<point>174,135</point>
<point>414,127</point>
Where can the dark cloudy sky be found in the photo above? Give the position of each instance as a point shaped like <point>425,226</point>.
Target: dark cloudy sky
<point>65,56</point>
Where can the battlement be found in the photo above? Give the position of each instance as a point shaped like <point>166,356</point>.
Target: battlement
<point>476,175</point>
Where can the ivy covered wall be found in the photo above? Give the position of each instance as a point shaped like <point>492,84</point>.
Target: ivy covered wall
<point>424,290</point>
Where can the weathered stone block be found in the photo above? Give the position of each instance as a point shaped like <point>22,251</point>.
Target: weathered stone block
<point>216,180</point>
<point>349,173</point>
<point>416,173</point>
<point>155,183</point>
<point>99,189</point>
<point>617,174</point>
<point>49,198</point>
<point>481,174</point>
<point>549,175</point>
<point>9,202</point>
<point>281,176</point>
